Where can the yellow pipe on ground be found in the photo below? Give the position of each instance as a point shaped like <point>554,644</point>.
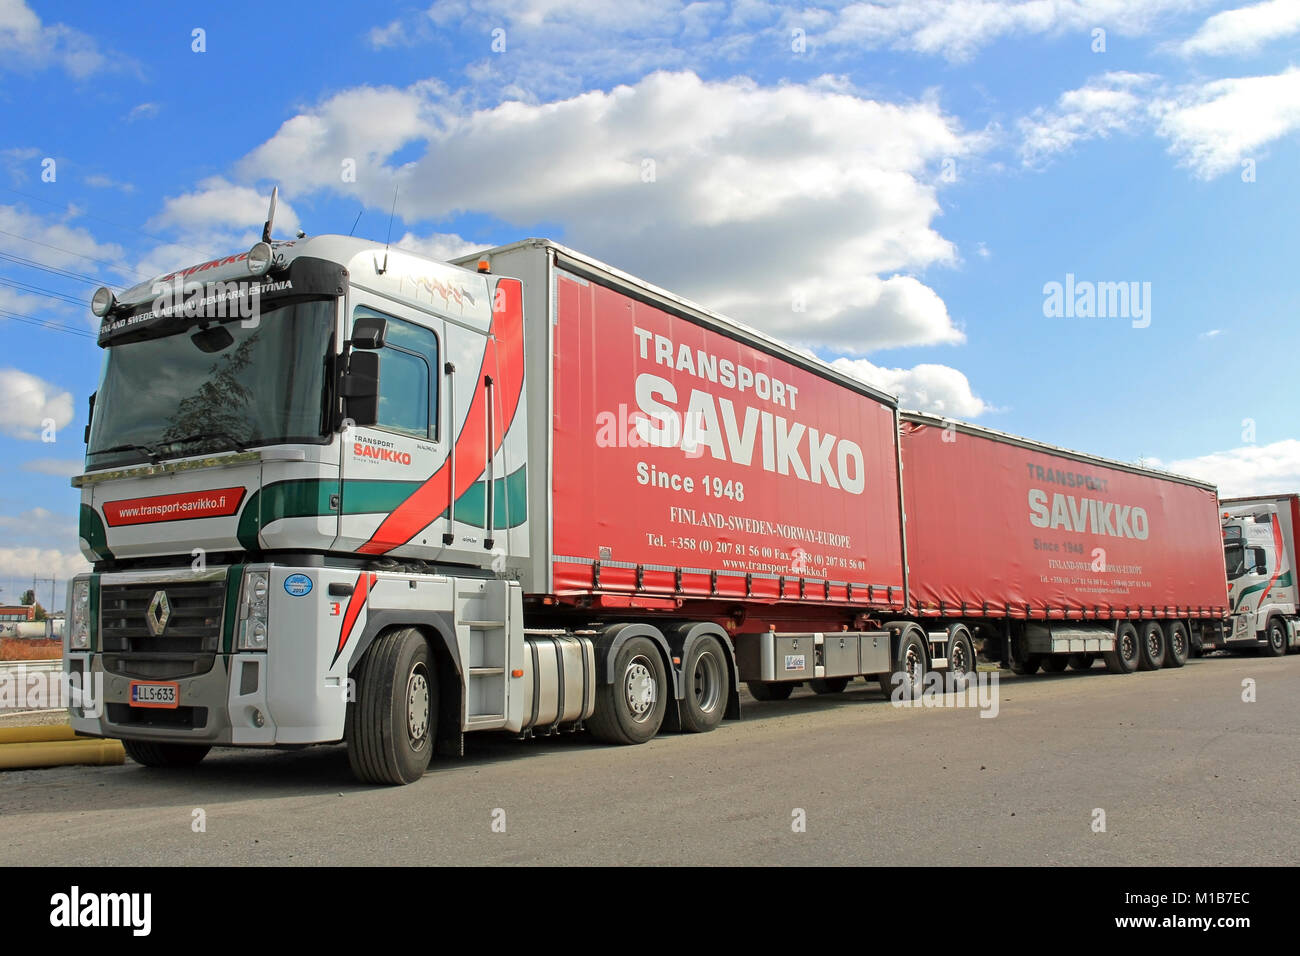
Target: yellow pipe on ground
<point>32,735</point>
<point>61,753</point>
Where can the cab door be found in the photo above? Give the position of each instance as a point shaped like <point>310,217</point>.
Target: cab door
<point>386,465</point>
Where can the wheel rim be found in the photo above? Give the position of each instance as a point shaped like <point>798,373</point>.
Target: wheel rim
<point>958,664</point>
<point>914,667</point>
<point>705,682</point>
<point>1279,640</point>
<point>641,689</point>
<point>1128,647</point>
<point>1153,645</point>
<point>1179,642</point>
<point>417,707</point>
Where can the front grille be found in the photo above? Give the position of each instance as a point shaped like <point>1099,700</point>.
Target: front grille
<point>145,666</point>
<point>193,623</point>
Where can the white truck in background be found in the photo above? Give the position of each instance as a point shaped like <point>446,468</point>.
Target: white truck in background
<point>1259,548</point>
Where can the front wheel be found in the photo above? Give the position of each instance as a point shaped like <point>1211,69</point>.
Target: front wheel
<point>630,708</point>
<point>391,726</point>
<point>165,755</point>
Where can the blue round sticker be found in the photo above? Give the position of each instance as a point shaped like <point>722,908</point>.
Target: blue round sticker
<point>298,585</point>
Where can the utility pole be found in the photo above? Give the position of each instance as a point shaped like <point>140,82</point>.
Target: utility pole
<point>53,582</point>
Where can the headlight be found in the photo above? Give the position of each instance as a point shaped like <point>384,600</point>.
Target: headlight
<point>253,611</point>
<point>260,258</point>
<point>79,615</point>
<point>103,301</point>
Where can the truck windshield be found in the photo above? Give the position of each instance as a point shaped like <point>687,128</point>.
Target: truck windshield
<point>230,387</point>
<point>1234,556</point>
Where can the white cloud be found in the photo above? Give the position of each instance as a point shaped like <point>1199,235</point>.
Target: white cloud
<point>1113,102</point>
<point>217,203</point>
<point>1212,333</point>
<point>957,29</point>
<point>28,402</point>
<point>938,389</point>
<point>26,42</point>
<point>1213,127</point>
<point>1245,29</point>
<point>142,111</point>
<point>59,467</point>
<point>56,242</point>
<point>24,563</point>
<point>443,246</point>
<point>736,195</point>
<point>1249,470</point>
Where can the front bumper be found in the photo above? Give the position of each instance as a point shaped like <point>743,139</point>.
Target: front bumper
<point>293,693</point>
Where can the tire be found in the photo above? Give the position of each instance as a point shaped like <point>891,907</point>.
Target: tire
<point>910,665</point>
<point>165,755</point>
<point>1277,638</point>
<point>1178,644</point>
<point>961,656</point>
<point>829,685</point>
<point>1151,647</point>
<point>630,708</point>
<point>708,686</point>
<point>770,690</point>
<point>1082,662</point>
<point>391,726</point>
<point>1124,658</point>
<point>1028,666</point>
<point>1055,663</point>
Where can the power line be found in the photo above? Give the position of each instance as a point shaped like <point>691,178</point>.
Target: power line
<point>43,324</point>
<point>54,270</point>
<point>119,225</point>
<point>69,252</point>
<point>37,290</point>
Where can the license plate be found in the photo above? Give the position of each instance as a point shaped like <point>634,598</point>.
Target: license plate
<point>155,695</point>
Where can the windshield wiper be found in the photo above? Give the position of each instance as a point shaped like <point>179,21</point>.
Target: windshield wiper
<point>151,452</point>
<point>230,439</point>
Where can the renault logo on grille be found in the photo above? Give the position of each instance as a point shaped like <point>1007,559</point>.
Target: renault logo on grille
<point>158,613</point>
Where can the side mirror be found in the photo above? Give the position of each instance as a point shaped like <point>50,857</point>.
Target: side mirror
<point>369,333</point>
<point>90,417</point>
<point>360,387</point>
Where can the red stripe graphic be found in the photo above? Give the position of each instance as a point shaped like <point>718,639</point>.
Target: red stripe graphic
<point>1277,551</point>
<point>503,362</point>
<point>360,591</point>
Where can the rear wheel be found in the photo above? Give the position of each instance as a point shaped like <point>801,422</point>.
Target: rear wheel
<point>1055,663</point>
<point>829,685</point>
<point>961,656</point>
<point>707,686</point>
<point>1123,659</point>
<point>1152,646</point>
<point>1276,638</point>
<point>1029,664</point>
<point>165,755</point>
<point>391,726</point>
<point>630,708</point>
<point>770,690</point>
<point>1177,645</point>
<point>1082,662</point>
<point>910,663</point>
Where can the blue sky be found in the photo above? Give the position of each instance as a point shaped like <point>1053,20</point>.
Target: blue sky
<point>891,185</point>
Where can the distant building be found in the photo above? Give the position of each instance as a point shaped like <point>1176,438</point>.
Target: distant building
<point>16,613</point>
